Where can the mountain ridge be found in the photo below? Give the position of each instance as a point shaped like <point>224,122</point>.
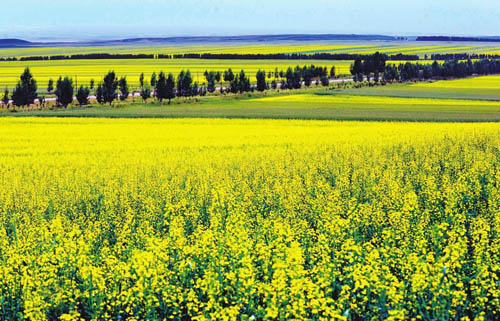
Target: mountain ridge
<point>19,43</point>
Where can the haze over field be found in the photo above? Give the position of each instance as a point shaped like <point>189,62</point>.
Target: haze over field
<point>105,19</point>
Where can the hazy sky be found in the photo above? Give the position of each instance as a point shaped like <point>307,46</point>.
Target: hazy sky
<point>90,19</point>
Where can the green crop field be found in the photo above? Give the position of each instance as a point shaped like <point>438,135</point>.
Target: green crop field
<point>483,88</point>
<point>414,102</point>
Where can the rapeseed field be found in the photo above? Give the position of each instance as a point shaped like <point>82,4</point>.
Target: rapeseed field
<point>193,219</point>
<point>484,82</point>
<point>404,47</point>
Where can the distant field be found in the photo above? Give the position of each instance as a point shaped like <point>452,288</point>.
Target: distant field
<point>418,48</point>
<point>484,88</point>
<point>85,70</point>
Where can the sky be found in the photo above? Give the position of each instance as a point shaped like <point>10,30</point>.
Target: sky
<point>116,19</point>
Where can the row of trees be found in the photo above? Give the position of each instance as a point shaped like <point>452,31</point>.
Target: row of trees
<point>26,92</point>
<point>376,65</point>
<point>448,69</point>
<point>166,87</point>
<point>292,56</point>
<point>462,56</point>
<point>163,87</point>
<point>228,56</point>
<point>276,56</point>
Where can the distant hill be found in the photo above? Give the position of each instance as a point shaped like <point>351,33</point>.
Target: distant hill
<point>458,39</point>
<point>11,43</point>
<point>260,38</point>
<point>18,43</point>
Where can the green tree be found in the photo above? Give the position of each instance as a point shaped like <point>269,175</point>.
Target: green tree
<point>64,91</point>
<point>325,81</point>
<point>427,72</point>
<point>153,83</point>
<point>261,80</point>
<point>50,86</point>
<point>184,84</point>
<point>109,87</point>
<point>6,98</point>
<point>332,72</point>
<point>161,87</point>
<point>92,82</point>
<point>25,92</point>
<point>241,83</point>
<point>141,80</point>
<point>357,70</point>
<point>123,88</point>
<point>391,73</point>
<point>153,80</point>
<point>289,78</point>
<point>376,64</point>
<point>436,69</point>
<point>195,89</point>
<point>145,93</point>
<point>99,95</point>
<point>202,91</point>
<point>83,95</point>
<point>228,75</point>
<point>170,88</point>
<point>293,78</point>
<point>210,77</point>
<point>307,75</point>
<point>297,77</point>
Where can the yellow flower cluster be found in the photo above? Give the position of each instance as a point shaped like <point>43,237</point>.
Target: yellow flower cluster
<point>248,220</point>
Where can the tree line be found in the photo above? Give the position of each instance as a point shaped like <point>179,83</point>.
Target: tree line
<point>277,56</point>
<point>466,39</point>
<point>208,56</point>
<point>291,56</point>
<point>364,69</point>
<point>161,86</point>
<point>374,64</point>
<point>26,92</point>
<point>463,56</point>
